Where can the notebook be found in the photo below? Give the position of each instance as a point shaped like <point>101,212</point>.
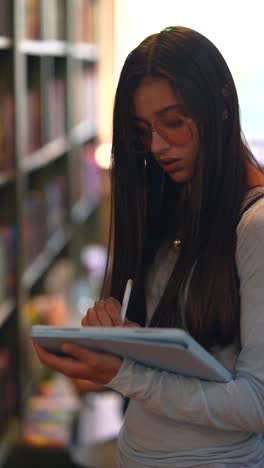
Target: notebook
<point>169,349</point>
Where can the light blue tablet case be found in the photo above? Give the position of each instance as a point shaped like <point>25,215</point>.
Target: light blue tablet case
<point>169,349</point>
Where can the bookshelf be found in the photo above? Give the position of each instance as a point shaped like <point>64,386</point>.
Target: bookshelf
<point>5,43</point>
<point>49,181</point>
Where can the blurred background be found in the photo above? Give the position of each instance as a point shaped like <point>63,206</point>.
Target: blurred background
<point>59,65</point>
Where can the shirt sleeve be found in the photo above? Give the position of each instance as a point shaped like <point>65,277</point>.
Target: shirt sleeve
<point>239,404</point>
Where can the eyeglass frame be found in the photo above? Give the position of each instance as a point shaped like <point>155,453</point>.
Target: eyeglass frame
<point>153,128</point>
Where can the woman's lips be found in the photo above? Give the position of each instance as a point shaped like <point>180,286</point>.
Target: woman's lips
<point>171,165</point>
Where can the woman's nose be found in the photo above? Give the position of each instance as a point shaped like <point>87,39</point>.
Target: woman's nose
<point>158,143</point>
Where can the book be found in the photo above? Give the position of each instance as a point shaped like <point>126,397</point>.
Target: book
<point>6,18</point>
<point>55,20</point>
<point>169,349</point>
<point>32,25</point>
<point>7,159</point>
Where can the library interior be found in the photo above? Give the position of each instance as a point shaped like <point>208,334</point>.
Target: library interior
<point>60,61</point>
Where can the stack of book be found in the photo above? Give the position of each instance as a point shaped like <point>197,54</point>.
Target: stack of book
<point>6,119</point>
<point>32,19</point>
<point>56,106</point>
<point>49,414</point>
<point>55,27</point>
<point>86,175</point>
<point>89,78</point>
<point>44,213</point>
<point>84,21</point>
<point>91,173</point>
<point>55,200</point>
<point>85,95</point>
<point>34,116</point>
<point>6,18</point>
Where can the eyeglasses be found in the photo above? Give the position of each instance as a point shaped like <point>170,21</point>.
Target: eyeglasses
<point>174,128</point>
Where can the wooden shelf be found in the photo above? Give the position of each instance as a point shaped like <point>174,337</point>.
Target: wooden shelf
<point>43,48</point>
<point>45,155</point>
<point>44,260</point>
<point>5,43</point>
<point>6,308</point>
<point>82,51</point>
<point>6,178</point>
<point>39,79</point>
<point>83,209</point>
<point>8,440</point>
<point>82,133</point>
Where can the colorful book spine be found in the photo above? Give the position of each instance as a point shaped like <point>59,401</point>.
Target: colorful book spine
<point>6,120</point>
<point>6,18</point>
<point>91,173</point>
<point>44,213</point>
<point>56,108</point>
<point>33,120</point>
<point>32,19</point>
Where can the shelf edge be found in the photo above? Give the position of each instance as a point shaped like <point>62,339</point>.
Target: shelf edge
<point>43,47</point>
<point>45,155</point>
<point>5,43</point>
<point>82,133</point>
<point>9,438</point>
<point>43,261</point>
<point>83,51</point>
<point>83,209</point>
<point>6,309</point>
<point>6,177</point>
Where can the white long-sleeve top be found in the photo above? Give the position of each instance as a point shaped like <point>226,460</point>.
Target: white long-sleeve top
<point>177,421</point>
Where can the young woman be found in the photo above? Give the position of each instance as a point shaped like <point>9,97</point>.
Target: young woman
<point>188,227</point>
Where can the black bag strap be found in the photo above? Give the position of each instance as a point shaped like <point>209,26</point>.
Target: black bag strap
<point>250,203</point>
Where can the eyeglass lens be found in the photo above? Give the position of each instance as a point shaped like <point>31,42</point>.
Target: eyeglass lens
<point>175,130</point>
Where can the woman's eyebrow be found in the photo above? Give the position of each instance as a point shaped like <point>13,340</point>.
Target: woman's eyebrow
<point>160,112</point>
<point>168,108</point>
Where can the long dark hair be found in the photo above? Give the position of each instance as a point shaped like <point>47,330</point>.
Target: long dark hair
<point>147,206</point>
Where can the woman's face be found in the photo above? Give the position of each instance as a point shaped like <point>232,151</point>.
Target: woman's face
<point>164,128</point>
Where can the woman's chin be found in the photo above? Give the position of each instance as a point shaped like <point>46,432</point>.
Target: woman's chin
<point>181,176</point>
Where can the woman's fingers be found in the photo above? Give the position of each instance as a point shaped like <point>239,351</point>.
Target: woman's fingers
<point>87,386</point>
<point>98,315</point>
<point>67,365</point>
<point>81,363</point>
<point>104,314</point>
<point>85,320</point>
<point>128,323</point>
<point>113,308</point>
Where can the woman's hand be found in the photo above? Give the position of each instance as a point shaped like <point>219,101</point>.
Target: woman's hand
<point>85,386</point>
<point>91,369</point>
<point>106,314</point>
<point>81,363</point>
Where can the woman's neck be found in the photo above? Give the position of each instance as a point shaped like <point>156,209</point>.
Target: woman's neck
<point>255,177</point>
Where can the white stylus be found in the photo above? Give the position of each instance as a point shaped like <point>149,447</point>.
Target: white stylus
<point>126,299</point>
